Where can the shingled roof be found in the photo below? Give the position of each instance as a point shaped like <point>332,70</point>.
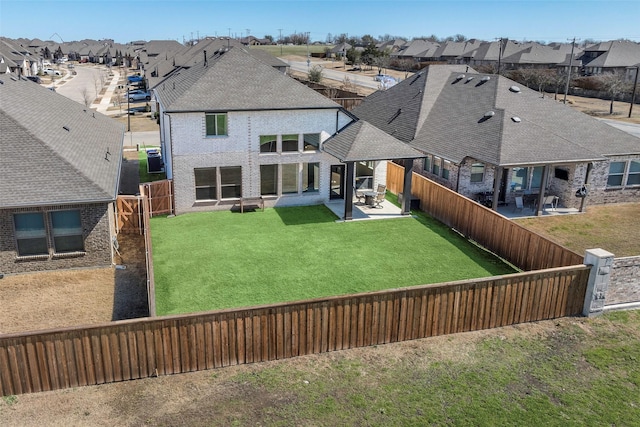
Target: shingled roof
<point>234,80</point>
<point>54,150</point>
<point>361,141</point>
<point>490,118</point>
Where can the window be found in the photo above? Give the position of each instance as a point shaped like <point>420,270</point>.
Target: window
<point>231,182</point>
<point>31,234</point>
<point>477,172</point>
<point>289,178</point>
<point>310,177</point>
<point>634,172</point>
<point>311,141</point>
<point>268,180</point>
<point>426,166</point>
<point>289,143</point>
<point>436,166</point>
<point>268,144</point>
<point>616,172</point>
<point>67,231</point>
<point>364,175</point>
<point>206,188</point>
<point>216,124</point>
<point>520,178</point>
<point>536,179</point>
<point>446,167</point>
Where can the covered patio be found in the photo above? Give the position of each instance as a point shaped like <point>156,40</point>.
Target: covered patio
<point>361,141</point>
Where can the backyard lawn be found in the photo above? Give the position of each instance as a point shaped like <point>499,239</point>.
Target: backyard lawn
<point>214,260</point>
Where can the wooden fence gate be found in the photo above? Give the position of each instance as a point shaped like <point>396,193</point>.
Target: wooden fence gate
<point>129,214</point>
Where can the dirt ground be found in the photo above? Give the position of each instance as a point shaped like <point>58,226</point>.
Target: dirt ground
<point>77,297</point>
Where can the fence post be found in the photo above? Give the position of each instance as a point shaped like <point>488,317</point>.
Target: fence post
<point>601,262</point>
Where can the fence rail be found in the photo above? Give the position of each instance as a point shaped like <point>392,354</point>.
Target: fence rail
<point>521,247</point>
<point>131,349</point>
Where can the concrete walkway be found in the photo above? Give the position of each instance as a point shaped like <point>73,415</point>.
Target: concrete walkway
<point>105,101</point>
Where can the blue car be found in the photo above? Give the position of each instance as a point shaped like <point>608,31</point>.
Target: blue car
<point>134,79</point>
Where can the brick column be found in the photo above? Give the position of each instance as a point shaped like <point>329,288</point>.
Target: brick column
<point>601,262</point>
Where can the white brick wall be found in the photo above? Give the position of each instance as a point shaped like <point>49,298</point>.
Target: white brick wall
<point>189,148</point>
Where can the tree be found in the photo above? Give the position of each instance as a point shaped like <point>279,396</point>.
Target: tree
<point>368,40</point>
<point>329,38</point>
<point>459,38</point>
<point>315,74</point>
<point>353,55</point>
<point>613,84</point>
<point>381,62</point>
<point>269,37</point>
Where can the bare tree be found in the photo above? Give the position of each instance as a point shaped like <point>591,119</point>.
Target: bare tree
<point>613,84</point>
<point>348,85</point>
<point>86,98</point>
<point>315,74</point>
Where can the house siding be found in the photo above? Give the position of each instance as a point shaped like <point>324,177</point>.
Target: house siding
<point>190,149</point>
<point>96,224</point>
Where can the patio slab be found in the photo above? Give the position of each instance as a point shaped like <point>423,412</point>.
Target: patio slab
<point>510,212</point>
<point>362,212</point>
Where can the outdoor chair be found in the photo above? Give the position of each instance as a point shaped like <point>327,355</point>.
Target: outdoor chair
<point>551,201</point>
<point>519,204</point>
<point>380,196</point>
<point>360,194</point>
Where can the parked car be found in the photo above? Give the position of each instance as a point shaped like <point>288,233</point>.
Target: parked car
<point>138,95</point>
<point>35,79</point>
<point>51,72</point>
<point>134,79</point>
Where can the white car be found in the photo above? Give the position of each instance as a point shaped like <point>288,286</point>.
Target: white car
<point>51,72</point>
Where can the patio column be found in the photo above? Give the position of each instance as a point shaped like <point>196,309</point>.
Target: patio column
<point>406,192</point>
<point>543,185</point>
<point>496,188</point>
<point>348,192</point>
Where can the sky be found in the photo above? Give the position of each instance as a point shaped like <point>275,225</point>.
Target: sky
<point>126,21</point>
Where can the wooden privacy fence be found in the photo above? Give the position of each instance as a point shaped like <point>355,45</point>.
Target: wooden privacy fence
<point>160,194</point>
<point>129,214</point>
<point>130,208</point>
<point>131,349</point>
<point>521,247</point>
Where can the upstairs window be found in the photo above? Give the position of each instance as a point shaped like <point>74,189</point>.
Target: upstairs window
<point>311,141</point>
<point>289,143</point>
<point>216,124</point>
<point>268,144</point>
<point>634,173</point>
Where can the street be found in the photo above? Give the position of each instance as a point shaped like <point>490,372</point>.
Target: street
<point>87,81</point>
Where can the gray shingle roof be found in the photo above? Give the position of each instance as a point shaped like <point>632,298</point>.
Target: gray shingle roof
<point>362,141</point>
<point>455,125</point>
<point>400,111</point>
<point>42,163</point>
<point>236,81</point>
<point>619,54</point>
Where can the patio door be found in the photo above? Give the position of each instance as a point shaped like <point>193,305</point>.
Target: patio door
<point>337,182</point>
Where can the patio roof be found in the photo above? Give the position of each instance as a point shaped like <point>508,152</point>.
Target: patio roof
<point>360,141</point>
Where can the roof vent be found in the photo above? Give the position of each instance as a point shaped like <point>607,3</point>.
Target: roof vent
<point>516,119</point>
<point>460,77</point>
<point>66,128</point>
<point>485,79</point>
<point>515,89</point>
<point>489,114</point>
<point>14,79</point>
<point>469,78</point>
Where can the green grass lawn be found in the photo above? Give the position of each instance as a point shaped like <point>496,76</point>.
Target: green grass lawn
<point>291,50</point>
<point>214,260</point>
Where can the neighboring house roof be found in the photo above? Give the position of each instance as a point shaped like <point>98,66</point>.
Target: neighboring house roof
<point>234,80</point>
<point>418,47</point>
<point>454,125</point>
<point>456,49</point>
<point>401,111</point>
<point>361,141</point>
<point>539,54</point>
<point>617,54</point>
<point>43,163</point>
<point>341,47</point>
<point>490,51</point>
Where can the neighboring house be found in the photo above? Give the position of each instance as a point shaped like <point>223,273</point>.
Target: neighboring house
<point>483,133</point>
<point>610,57</point>
<point>233,127</point>
<point>60,168</point>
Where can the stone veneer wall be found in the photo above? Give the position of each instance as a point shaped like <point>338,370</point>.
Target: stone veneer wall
<point>97,241</point>
<point>624,286</point>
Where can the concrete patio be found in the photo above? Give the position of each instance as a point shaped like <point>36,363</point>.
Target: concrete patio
<point>362,212</point>
<point>511,212</point>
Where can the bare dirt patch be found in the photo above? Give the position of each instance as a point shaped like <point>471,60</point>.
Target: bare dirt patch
<point>67,298</point>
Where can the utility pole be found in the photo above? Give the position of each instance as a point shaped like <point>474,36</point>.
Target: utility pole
<point>566,87</point>
<point>501,41</point>
<point>280,40</point>
<point>633,93</point>
<point>248,31</point>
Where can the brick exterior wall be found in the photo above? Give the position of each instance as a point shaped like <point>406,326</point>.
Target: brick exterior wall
<point>96,225</point>
<point>190,148</point>
<point>598,193</point>
<point>624,285</point>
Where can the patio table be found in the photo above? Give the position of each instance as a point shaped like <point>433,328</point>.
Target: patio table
<point>369,197</point>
